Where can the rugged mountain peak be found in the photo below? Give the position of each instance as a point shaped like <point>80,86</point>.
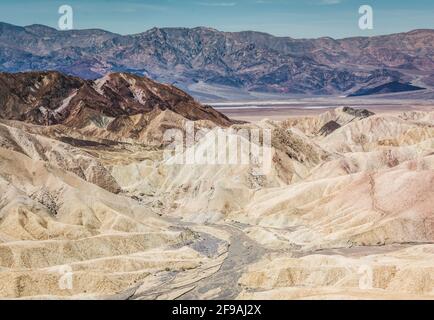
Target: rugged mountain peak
<point>421,32</point>
<point>9,27</point>
<point>358,113</point>
<point>40,28</point>
<point>249,60</point>
<point>48,98</point>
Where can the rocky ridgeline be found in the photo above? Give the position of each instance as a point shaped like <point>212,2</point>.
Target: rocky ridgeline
<point>249,60</point>
<point>50,98</point>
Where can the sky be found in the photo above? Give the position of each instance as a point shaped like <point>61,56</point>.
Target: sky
<point>294,18</point>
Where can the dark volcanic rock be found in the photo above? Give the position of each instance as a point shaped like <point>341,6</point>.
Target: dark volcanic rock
<point>358,113</point>
<point>329,128</point>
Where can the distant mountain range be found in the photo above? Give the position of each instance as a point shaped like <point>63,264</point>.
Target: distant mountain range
<point>244,60</point>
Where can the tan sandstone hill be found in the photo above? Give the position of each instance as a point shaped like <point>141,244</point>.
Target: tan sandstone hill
<point>93,205</point>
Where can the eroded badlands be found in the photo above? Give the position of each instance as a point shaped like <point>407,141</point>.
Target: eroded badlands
<point>346,211</point>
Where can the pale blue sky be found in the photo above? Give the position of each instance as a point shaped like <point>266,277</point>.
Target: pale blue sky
<point>295,18</point>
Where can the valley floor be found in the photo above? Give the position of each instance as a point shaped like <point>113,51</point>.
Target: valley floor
<point>279,110</point>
